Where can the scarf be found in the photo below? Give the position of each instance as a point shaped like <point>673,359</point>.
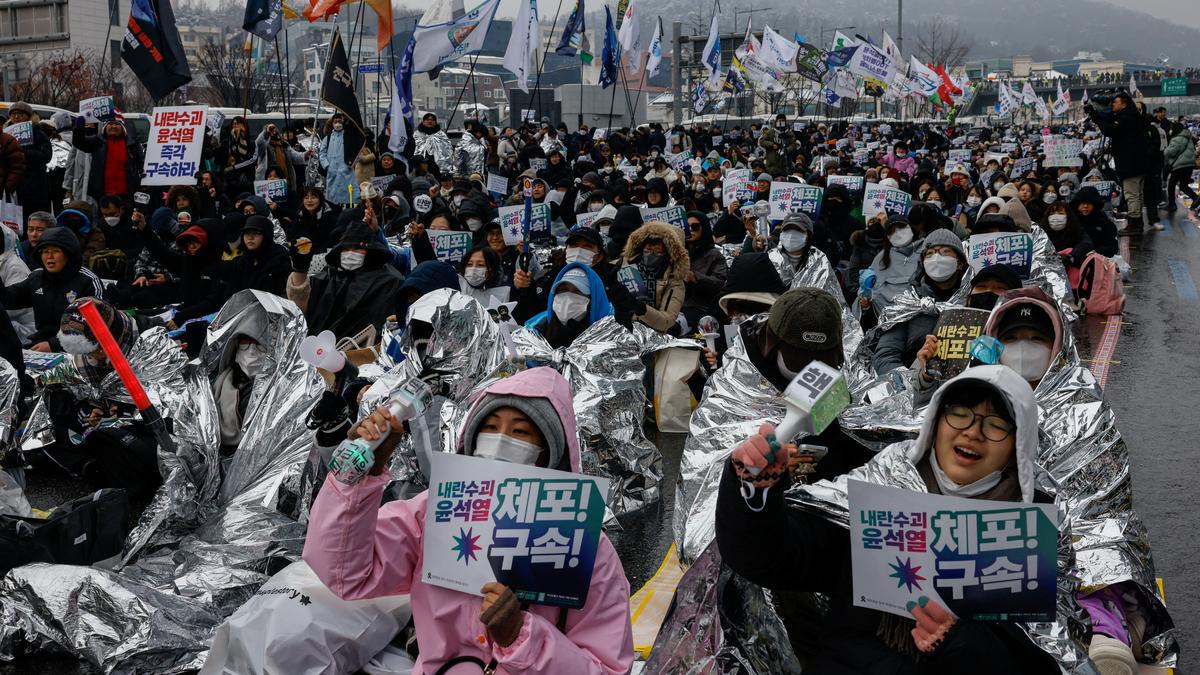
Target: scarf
<point>115,180</point>
<point>281,160</point>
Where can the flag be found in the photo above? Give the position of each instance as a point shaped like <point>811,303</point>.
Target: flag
<point>810,62</point>
<point>321,9</point>
<point>778,51</point>
<point>655,50</point>
<point>869,62</point>
<point>1062,103</point>
<point>585,49</point>
<point>572,32</point>
<point>924,77</point>
<point>610,55</point>
<point>441,39</point>
<point>152,48</point>
<point>1133,88</point>
<point>1085,98</point>
<point>712,52</point>
<point>838,58</point>
<point>1005,102</point>
<point>890,48</point>
<point>401,114</point>
<point>1043,110</point>
<point>630,37</point>
<point>1028,96</point>
<point>735,81</point>
<point>842,41</point>
<point>700,95</point>
<point>383,14</point>
<point>337,89</point>
<point>263,18</point>
<point>947,91</point>
<point>526,36</point>
<point>289,12</point>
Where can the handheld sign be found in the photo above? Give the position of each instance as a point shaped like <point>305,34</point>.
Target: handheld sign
<point>1061,151</point>
<point>538,163</point>
<point>176,141</point>
<point>679,160</point>
<point>955,330</point>
<point>274,189</point>
<point>422,203</point>
<point>22,131</point>
<point>449,245</point>
<point>879,199</point>
<point>854,184</point>
<point>982,560</point>
<point>1106,188</point>
<point>673,215</point>
<point>1024,165</point>
<point>497,184</point>
<point>96,109</point>
<point>1014,249</point>
<point>381,183</point>
<point>786,198</point>
<point>510,218</point>
<point>534,530</point>
<point>738,186</point>
<point>958,156</point>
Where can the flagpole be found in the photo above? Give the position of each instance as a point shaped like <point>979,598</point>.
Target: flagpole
<point>282,84</point>
<point>641,81</point>
<point>537,81</point>
<point>461,91</point>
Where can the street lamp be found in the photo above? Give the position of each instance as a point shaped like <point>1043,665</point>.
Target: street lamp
<point>738,12</point>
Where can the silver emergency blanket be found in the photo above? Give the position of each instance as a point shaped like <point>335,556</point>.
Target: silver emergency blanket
<point>470,156</point>
<point>10,391</point>
<point>817,273</point>
<point>1049,273</point>
<point>209,539</point>
<point>605,368</point>
<point>435,145</point>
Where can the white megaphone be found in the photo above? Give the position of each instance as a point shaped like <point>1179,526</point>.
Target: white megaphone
<point>320,351</point>
<point>814,399</point>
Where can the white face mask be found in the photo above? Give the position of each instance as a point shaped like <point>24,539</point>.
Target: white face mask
<point>473,224</point>
<point>1030,359</point>
<point>1049,198</point>
<point>940,267</point>
<point>250,358</point>
<point>900,236</point>
<point>569,306</point>
<point>503,448</point>
<point>458,200</point>
<point>974,201</point>
<point>475,276</point>
<point>338,126</point>
<point>579,255</point>
<point>595,207</point>
<point>936,204</point>
<point>996,187</point>
<point>792,241</point>
<point>1057,221</point>
<point>112,220</point>
<point>716,192</point>
<point>352,260</point>
<point>952,489</point>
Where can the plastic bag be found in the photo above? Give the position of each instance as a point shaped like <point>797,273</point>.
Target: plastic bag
<point>11,213</point>
<point>295,625</point>
<point>12,497</point>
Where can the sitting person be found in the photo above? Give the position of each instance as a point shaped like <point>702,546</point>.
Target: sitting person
<point>1087,213</point>
<point>978,440</point>
<point>49,290</point>
<point>263,265</point>
<point>244,359</point>
<point>656,250</point>
<point>577,300</point>
<point>362,550</point>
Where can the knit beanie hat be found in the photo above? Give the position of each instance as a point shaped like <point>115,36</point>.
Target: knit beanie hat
<point>539,411</point>
<point>944,237</point>
<point>76,335</point>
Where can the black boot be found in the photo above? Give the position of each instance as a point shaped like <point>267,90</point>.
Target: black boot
<point>1133,226</point>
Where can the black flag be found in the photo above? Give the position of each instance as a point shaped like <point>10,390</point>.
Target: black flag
<point>263,18</point>
<point>337,89</point>
<point>152,48</point>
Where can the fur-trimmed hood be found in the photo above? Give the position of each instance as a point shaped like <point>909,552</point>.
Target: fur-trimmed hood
<point>673,238</point>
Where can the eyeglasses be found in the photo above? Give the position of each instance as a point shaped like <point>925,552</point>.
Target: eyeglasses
<point>994,427</point>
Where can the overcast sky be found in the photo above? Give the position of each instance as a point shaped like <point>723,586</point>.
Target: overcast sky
<point>1182,12</point>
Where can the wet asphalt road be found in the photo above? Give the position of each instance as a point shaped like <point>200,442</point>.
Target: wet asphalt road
<point>1152,386</point>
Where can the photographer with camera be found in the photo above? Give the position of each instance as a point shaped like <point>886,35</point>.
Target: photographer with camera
<point>1131,136</point>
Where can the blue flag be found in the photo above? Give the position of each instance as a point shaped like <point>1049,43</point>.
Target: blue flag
<point>838,58</point>
<point>572,32</point>
<point>610,56</point>
<point>402,115</point>
<point>263,18</point>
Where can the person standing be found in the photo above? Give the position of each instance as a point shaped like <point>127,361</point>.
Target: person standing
<point>116,163</point>
<point>1180,161</point>
<point>33,192</point>
<point>1130,133</point>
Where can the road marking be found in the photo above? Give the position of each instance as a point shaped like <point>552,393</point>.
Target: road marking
<point>1185,287</point>
<point>1123,248</point>
<point>648,607</point>
<point>1108,346</point>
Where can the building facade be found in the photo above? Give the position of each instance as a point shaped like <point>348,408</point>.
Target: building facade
<point>31,28</point>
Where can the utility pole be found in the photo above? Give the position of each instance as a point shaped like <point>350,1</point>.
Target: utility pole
<point>677,74</point>
<point>900,25</point>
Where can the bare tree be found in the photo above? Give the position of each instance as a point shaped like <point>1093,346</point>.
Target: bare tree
<point>940,42</point>
<point>228,77</point>
<point>60,79</point>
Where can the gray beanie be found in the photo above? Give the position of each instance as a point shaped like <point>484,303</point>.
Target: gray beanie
<point>800,220</point>
<point>539,410</point>
<point>944,237</point>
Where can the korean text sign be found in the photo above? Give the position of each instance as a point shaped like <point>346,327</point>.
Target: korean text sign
<point>982,560</point>
<point>513,228</point>
<point>96,109</point>
<point>955,330</point>
<point>22,132</point>
<point>879,199</point>
<point>176,140</point>
<point>1014,249</point>
<point>273,189</point>
<point>786,198</point>
<point>534,530</point>
<point>449,245</point>
<point>672,215</point>
<point>1061,151</point>
<point>738,186</point>
<point>854,184</point>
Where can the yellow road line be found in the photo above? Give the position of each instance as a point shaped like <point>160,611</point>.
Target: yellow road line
<point>648,607</point>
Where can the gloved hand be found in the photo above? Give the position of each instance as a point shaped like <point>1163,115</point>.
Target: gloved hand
<point>501,613</point>
<point>301,254</point>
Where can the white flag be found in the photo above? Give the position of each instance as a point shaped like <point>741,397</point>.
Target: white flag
<point>655,50</point>
<point>1005,100</point>
<point>446,39</point>
<point>923,76</point>
<point>526,36</point>
<point>712,53</point>
<point>1137,94</point>
<point>1028,95</point>
<point>1063,102</point>
<point>890,48</point>
<point>1085,98</point>
<point>630,38</point>
<point>778,51</point>
<point>1043,110</point>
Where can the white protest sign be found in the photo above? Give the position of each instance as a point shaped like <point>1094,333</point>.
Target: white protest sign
<point>1008,147</point>
<point>861,157</point>
<point>679,159</point>
<point>381,183</point>
<point>215,119</point>
<point>1061,151</point>
<point>176,140</point>
<point>980,560</point>
<point>738,186</point>
<point>514,231</point>
<point>629,171</point>
<point>274,189</point>
<point>879,199</point>
<point>1014,249</point>
<point>959,155</point>
<point>788,198</point>
<point>96,109</point>
<point>538,163</point>
<point>673,215</point>
<point>534,530</point>
<point>528,115</point>
<point>497,184</point>
<point>599,134</point>
<point>854,184</point>
<point>585,219</point>
<point>998,157</point>
<point>1024,165</point>
<point>450,245</point>
<point>1106,188</point>
<point>22,131</point>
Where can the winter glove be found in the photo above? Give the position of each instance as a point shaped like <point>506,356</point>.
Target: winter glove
<point>501,613</point>
<point>301,253</point>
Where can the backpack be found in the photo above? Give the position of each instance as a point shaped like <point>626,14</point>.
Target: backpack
<point>1100,285</point>
<point>109,263</point>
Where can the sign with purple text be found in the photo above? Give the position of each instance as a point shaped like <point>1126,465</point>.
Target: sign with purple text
<point>1014,249</point>
<point>879,199</point>
<point>786,198</point>
<point>981,560</point>
<point>534,530</point>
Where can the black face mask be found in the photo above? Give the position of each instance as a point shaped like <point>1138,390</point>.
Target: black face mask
<point>652,261</point>
<point>985,300</point>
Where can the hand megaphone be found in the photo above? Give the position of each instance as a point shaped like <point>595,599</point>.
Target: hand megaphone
<point>709,328</point>
<point>814,399</point>
<point>321,351</point>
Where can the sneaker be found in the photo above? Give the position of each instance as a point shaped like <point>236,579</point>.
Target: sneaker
<point>1111,656</point>
<point>1158,226</point>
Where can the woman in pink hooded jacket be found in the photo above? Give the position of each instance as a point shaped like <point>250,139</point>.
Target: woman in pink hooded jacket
<point>900,160</point>
<point>361,550</point>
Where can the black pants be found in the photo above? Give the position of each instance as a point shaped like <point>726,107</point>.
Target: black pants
<point>1181,178</point>
<point>124,457</point>
<point>1152,192</point>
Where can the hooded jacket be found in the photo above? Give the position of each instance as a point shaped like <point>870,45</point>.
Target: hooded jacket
<point>265,269</point>
<point>1131,136</point>
<point>49,294</point>
<point>670,288</point>
<point>708,264</point>
<point>598,304</point>
<point>1100,230</point>
<point>347,301</point>
<point>784,548</point>
<point>361,550</point>
<point>97,146</point>
<point>1181,151</point>
<point>201,281</point>
<point>1013,300</point>
<point>12,162</point>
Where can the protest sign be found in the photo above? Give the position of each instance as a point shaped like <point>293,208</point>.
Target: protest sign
<point>449,245</point>
<point>861,157</point>
<point>599,134</point>
<point>997,157</point>
<point>528,115</point>
<point>21,131</point>
<point>534,530</point>
<point>739,185</point>
<point>96,109</point>
<point>176,140</point>
<point>955,329</point>
<point>272,190</point>
<point>514,231</point>
<point>981,560</point>
<point>679,159</point>
<point>854,184</point>
<point>1014,249</point>
<point>788,198</point>
<point>1024,165</point>
<point>673,215</point>
<point>381,183</point>
<point>629,171</point>
<point>879,199</point>
<point>1061,151</point>
<point>1106,188</point>
<point>959,156</point>
<point>537,163</point>
<point>631,278</point>
<point>718,141</point>
<point>215,119</point>
<point>1008,147</point>
<point>497,184</point>
<point>585,219</point>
